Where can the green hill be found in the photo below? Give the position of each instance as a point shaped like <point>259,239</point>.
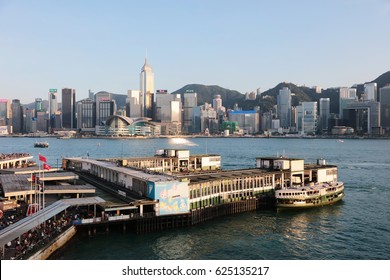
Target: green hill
<point>207,93</point>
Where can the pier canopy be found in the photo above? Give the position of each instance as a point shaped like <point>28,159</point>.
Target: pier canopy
<point>19,228</point>
<point>125,126</point>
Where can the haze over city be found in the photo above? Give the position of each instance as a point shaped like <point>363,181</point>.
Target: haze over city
<point>240,45</point>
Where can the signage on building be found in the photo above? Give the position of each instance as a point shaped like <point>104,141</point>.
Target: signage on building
<point>162,91</point>
<point>53,90</point>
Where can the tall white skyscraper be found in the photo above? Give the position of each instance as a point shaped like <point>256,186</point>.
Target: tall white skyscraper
<point>146,89</point>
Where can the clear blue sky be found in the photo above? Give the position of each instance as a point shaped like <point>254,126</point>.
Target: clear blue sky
<point>240,45</point>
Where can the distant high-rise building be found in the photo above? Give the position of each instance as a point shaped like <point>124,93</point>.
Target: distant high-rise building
<point>133,104</point>
<point>370,92</point>
<point>217,102</point>
<point>324,113</point>
<point>190,101</point>
<point>363,116</point>
<point>346,96</point>
<point>103,111</point>
<point>53,103</point>
<point>38,106</point>
<point>147,90</point>
<point>53,109</point>
<point>41,121</point>
<point>168,107</point>
<point>307,117</point>
<point>90,94</point>
<point>17,116</point>
<point>284,107</point>
<point>258,93</point>
<point>29,116</point>
<point>68,108</point>
<point>384,99</point>
<point>86,114</point>
<point>5,112</point>
<point>249,121</point>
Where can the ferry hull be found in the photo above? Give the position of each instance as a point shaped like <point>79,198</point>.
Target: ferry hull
<point>281,206</point>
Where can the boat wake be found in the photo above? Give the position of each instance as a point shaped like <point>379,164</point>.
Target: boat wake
<point>182,141</point>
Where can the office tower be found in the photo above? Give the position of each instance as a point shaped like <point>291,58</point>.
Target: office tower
<point>384,98</point>
<point>41,122</point>
<point>90,94</point>
<point>324,113</point>
<point>53,102</point>
<point>284,107</point>
<point>17,116</point>
<point>370,92</point>
<point>363,116</point>
<point>29,115</point>
<point>133,104</point>
<point>190,101</point>
<point>53,109</point>
<point>68,108</point>
<point>249,120</point>
<point>307,117</point>
<point>352,93</point>
<point>103,111</point>
<point>86,114</point>
<point>147,90</point>
<point>346,96</point>
<point>217,102</point>
<point>258,93</point>
<point>38,106</point>
<point>5,112</point>
<point>205,119</point>
<point>168,107</point>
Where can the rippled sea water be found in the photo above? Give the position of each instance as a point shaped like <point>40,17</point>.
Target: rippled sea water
<point>356,228</point>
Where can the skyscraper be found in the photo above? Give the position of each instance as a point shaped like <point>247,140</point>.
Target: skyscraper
<point>189,103</point>
<point>38,106</point>
<point>384,98</point>
<point>86,115</point>
<point>133,104</point>
<point>284,107</point>
<point>217,102</point>
<point>147,90</point>
<point>324,113</point>
<point>53,108</point>
<point>370,92</point>
<point>17,116</point>
<point>346,96</point>
<point>5,112</point>
<point>68,108</point>
<point>105,106</point>
<point>307,117</point>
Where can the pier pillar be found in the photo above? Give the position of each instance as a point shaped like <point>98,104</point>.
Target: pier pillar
<point>124,228</point>
<point>107,229</point>
<point>141,210</point>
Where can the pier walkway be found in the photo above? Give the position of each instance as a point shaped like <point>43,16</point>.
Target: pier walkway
<point>16,230</point>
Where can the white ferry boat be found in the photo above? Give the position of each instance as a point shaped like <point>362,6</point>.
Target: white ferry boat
<point>313,195</point>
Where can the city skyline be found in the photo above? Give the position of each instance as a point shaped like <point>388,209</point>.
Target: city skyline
<point>237,45</point>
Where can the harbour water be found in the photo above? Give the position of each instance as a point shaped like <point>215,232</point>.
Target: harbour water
<point>356,228</point>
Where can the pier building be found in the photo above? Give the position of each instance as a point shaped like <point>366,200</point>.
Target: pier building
<point>16,160</point>
<point>178,183</point>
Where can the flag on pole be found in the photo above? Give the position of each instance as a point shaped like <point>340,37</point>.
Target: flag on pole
<point>42,158</point>
<point>46,166</point>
